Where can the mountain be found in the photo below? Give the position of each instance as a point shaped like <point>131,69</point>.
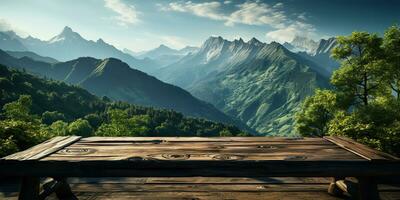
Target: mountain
<point>10,43</point>
<point>164,55</point>
<point>69,45</point>
<point>322,55</point>
<point>300,44</point>
<point>33,56</point>
<point>115,79</point>
<point>260,84</point>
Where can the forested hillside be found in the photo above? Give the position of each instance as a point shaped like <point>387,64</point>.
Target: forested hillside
<point>116,80</point>
<point>35,109</point>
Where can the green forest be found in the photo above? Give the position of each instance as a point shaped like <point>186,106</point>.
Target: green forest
<point>35,109</point>
<point>364,103</point>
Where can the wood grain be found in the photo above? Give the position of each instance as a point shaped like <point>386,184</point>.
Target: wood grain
<point>43,149</point>
<point>360,149</point>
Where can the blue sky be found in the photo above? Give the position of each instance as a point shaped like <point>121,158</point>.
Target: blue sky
<point>145,24</point>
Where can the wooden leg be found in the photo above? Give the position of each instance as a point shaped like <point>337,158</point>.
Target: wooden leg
<point>29,188</point>
<point>367,189</point>
<point>63,191</point>
<point>333,189</point>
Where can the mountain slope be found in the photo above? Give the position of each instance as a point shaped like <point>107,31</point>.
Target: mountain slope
<point>260,84</point>
<point>32,55</point>
<point>322,55</point>
<point>165,55</point>
<point>69,45</point>
<point>9,43</point>
<point>115,79</point>
<point>302,44</point>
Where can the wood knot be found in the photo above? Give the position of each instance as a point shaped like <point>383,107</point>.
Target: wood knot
<point>296,158</point>
<point>267,147</point>
<point>176,156</point>
<point>135,158</point>
<point>227,157</point>
<point>76,151</point>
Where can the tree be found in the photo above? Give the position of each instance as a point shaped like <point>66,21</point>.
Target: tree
<point>361,105</point>
<point>19,109</point>
<point>315,113</point>
<point>391,46</point>
<point>58,128</point>
<point>359,74</point>
<point>48,117</point>
<point>121,124</point>
<point>80,127</point>
<point>94,120</point>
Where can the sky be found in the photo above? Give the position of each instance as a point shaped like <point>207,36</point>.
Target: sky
<point>141,25</point>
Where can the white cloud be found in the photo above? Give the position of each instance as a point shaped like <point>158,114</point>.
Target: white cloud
<point>127,14</point>
<point>6,26</point>
<point>256,13</point>
<point>250,13</point>
<point>208,9</point>
<point>287,34</point>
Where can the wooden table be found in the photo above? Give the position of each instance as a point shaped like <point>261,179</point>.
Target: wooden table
<point>74,156</point>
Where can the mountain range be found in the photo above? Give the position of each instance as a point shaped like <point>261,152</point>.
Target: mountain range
<point>258,83</point>
<point>163,55</point>
<point>70,45</point>
<point>115,79</point>
<point>318,52</point>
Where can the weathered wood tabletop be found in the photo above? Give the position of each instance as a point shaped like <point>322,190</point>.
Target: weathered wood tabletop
<point>73,156</point>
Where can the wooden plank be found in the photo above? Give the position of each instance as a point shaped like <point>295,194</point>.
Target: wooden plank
<point>237,150</point>
<point>197,139</point>
<point>99,155</point>
<point>44,149</point>
<point>124,187</point>
<point>360,149</point>
<point>203,180</point>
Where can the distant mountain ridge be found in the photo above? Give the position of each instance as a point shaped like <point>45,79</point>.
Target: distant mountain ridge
<point>258,83</point>
<point>165,55</point>
<point>115,79</point>
<point>32,55</point>
<point>317,52</point>
<point>70,45</point>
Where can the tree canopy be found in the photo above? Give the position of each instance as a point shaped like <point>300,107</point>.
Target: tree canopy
<point>364,103</point>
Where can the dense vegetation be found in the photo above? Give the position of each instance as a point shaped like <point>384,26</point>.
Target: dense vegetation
<point>365,101</point>
<point>35,109</point>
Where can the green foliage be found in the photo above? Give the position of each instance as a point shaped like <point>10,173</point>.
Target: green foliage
<point>94,120</point>
<point>121,124</point>
<point>365,103</point>
<point>80,127</point>
<point>317,111</point>
<point>18,109</point>
<point>359,74</point>
<point>49,117</point>
<point>69,110</point>
<point>391,46</point>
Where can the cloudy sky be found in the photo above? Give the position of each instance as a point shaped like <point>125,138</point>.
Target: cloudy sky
<point>145,24</point>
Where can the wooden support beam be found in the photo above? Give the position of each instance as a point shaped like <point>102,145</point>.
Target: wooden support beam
<point>367,189</point>
<point>29,188</point>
